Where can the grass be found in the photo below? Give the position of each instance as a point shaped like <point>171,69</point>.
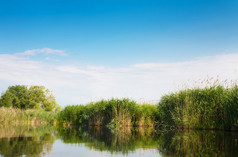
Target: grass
<point>16,116</point>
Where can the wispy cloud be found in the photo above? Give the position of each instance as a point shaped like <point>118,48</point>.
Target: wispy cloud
<point>42,51</point>
<point>81,84</point>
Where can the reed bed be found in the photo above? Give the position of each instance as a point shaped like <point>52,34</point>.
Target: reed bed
<point>215,106</point>
<point>15,116</point>
<point>114,113</point>
<point>209,104</point>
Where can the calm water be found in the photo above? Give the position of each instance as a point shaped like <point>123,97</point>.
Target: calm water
<point>94,142</point>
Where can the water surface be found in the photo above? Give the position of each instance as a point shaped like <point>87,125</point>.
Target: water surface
<point>16,141</point>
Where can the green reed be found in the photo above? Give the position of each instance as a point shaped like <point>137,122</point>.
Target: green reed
<point>213,107</point>
<point>208,105</point>
<point>16,116</point>
<point>114,113</point>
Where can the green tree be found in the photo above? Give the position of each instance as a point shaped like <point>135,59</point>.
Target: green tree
<point>8,99</point>
<point>19,96</point>
<point>36,97</point>
<point>49,103</point>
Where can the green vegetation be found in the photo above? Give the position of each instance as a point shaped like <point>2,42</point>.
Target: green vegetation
<point>20,105</point>
<point>130,125</point>
<point>114,113</point>
<point>35,97</point>
<point>15,116</point>
<point>212,107</point>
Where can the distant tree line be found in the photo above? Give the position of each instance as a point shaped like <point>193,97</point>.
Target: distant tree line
<point>34,97</point>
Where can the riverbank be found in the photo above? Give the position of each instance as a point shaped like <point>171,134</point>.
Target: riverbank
<point>213,107</point>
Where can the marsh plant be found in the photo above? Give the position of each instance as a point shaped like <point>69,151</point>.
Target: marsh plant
<point>215,106</point>
<point>114,113</point>
<point>209,104</point>
<point>16,116</point>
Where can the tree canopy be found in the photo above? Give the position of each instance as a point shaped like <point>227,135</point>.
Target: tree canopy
<point>34,97</point>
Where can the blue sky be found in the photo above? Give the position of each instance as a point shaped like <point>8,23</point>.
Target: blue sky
<point>121,32</point>
<point>114,35</point>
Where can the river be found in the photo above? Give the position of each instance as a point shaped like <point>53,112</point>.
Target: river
<point>48,141</point>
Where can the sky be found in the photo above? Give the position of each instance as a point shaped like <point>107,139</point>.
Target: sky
<point>87,50</point>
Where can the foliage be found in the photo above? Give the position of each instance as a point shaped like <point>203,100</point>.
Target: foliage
<point>114,113</point>
<point>71,114</point>
<point>211,107</point>
<point>35,97</point>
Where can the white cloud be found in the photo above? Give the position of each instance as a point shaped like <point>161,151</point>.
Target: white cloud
<point>41,51</point>
<point>147,81</point>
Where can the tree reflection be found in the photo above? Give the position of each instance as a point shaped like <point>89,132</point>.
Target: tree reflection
<point>26,141</point>
<point>30,141</point>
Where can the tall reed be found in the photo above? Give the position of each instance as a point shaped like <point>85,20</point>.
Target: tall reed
<point>17,116</point>
<point>113,113</point>
<point>213,107</point>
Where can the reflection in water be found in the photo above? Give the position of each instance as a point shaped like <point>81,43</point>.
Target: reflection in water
<point>188,143</point>
<point>26,141</point>
<point>199,143</point>
<point>102,139</point>
<point>30,141</point>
